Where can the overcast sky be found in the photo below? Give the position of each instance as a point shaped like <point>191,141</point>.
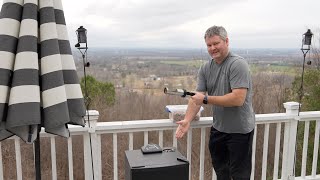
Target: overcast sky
<point>182,23</point>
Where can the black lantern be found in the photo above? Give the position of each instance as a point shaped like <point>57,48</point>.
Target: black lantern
<point>82,40</point>
<point>306,40</point>
<point>306,43</point>
<point>82,37</point>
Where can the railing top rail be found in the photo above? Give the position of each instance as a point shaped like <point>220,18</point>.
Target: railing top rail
<point>308,116</point>
<point>149,125</point>
<point>165,124</point>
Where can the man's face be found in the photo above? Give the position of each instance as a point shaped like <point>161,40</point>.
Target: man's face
<point>217,48</point>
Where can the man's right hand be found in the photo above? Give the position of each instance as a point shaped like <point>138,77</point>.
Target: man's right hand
<point>182,128</point>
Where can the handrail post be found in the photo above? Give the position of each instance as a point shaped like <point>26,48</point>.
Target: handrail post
<point>290,136</point>
<point>90,145</point>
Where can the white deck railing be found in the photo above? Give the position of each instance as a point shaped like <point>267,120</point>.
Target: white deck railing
<point>284,145</point>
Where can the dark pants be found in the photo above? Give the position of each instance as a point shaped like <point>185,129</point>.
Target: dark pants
<point>231,154</point>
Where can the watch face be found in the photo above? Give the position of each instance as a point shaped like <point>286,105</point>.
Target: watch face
<point>205,100</point>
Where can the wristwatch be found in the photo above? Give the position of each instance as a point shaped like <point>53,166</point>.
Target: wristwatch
<point>205,99</point>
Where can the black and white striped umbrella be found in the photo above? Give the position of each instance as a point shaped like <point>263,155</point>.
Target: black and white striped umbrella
<point>39,85</point>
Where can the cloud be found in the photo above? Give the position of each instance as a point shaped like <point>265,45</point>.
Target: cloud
<point>145,23</point>
<point>146,15</point>
<point>181,23</point>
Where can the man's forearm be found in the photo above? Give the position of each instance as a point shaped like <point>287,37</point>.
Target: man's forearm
<point>192,111</point>
<point>235,98</point>
<point>226,101</point>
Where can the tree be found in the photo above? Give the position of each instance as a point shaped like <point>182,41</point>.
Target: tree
<point>311,89</point>
<point>315,49</point>
<point>97,91</point>
<point>308,91</point>
<point>310,102</point>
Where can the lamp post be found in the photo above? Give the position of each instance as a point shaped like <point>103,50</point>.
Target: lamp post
<point>305,48</point>
<point>82,44</point>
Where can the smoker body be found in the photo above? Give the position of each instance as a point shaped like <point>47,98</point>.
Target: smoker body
<point>156,166</point>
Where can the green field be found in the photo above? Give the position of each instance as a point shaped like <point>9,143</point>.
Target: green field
<point>193,63</point>
<point>275,68</point>
<point>255,68</point>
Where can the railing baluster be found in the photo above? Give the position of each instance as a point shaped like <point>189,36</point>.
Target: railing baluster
<point>277,152</point>
<point>1,167</point>
<point>214,175</point>
<point>254,142</point>
<point>70,158</point>
<point>265,152</point>
<point>18,158</point>
<point>146,137</point>
<point>115,156</point>
<point>96,155</point>
<point>202,148</point>
<point>88,171</point>
<point>189,150</point>
<point>315,149</point>
<point>285,151</point>
<point>130,141</point>
<point>161,138</point>
<point>174,139</point>
<point>305,149</point>
<point>53,158</point>
<point>99,157</point>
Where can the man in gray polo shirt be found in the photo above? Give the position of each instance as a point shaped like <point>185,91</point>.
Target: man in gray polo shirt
<point>225,83</point>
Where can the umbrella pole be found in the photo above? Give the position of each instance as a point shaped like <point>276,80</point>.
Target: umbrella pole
<point>37,155</point>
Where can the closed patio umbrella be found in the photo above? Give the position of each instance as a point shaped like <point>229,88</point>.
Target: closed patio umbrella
<point>39,86</point>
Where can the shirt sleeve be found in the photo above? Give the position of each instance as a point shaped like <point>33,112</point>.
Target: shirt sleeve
<point>201,80</point>
<point>239,74</point>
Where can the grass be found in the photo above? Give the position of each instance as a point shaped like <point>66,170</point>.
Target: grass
<point>275,68</point>
<point>255,68</point>
<point>193,63</point>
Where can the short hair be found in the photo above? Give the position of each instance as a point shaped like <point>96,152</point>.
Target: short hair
<point>216,31</point>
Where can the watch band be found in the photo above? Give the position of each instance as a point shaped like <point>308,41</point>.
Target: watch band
<point>205,99</point>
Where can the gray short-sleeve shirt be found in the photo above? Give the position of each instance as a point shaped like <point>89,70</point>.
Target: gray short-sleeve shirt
<point>220,79</point>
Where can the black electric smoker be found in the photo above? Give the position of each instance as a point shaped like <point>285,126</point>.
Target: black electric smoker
<point>179,92</point>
